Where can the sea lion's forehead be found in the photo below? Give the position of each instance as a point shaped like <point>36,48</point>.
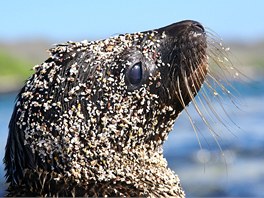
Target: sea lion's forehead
<point>112,45</point>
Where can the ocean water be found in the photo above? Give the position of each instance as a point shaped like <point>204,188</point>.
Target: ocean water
<point>230,165</point>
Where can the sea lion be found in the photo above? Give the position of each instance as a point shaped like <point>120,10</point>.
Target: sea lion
<point>92,119</point>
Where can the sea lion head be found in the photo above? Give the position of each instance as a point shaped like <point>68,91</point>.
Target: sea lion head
<point>99,111</point>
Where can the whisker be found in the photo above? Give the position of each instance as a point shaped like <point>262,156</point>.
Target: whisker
<point>180,98</point>
<point>196,105</point>
<point>208,107</point>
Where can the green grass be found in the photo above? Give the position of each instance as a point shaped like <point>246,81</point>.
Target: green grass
<point>11,66</point>
<point>258,62</point>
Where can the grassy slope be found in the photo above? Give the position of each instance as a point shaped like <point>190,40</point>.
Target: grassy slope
<point>14,67</point>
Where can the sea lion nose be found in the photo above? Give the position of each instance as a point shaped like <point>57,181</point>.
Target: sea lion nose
<point>198,26</point>
<point>194,24</point>
<point>178,28</point>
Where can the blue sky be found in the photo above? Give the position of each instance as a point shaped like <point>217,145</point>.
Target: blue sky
<point>62,20</point>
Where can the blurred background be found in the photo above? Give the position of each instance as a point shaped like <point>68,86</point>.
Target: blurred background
<point>235,168</point>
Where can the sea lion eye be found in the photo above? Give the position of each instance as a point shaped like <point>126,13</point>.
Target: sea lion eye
<point>135,74</point>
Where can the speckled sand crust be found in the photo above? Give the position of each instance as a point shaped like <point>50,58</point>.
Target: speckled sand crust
<point>90,132</point>
<point>98,141</point>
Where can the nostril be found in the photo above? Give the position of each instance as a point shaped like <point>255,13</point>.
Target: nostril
<point>199,26</point>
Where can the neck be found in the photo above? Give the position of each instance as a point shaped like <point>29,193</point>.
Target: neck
<point>139,172</point>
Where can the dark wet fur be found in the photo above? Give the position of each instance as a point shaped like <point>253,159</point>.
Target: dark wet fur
<point>175,86</point>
